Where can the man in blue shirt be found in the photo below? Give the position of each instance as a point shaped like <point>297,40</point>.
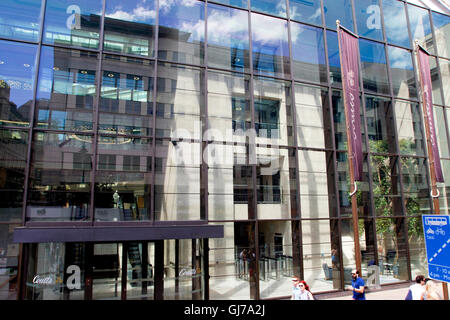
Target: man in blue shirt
<point>358,286</point>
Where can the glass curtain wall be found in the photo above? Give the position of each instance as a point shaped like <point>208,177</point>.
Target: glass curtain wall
<point>160,112</point>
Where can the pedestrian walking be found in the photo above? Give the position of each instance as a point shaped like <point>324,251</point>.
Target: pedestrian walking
<point>358,286</point>
<point>431,291</point>
<point>417,290</point>
<point>300,290</point>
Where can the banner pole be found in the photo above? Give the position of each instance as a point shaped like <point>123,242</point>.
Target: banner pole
<point>351,173</point>
<point>434,189</point>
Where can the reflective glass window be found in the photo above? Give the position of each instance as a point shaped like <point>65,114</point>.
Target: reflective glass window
<point>179,101</point>
<point>66,89</point>
<point>73,23</point>
<point>177,181</point>
<point>270,46</point>
<point>308,53</point>
<point>181,31</point>
<point>126,100</point>
<point>17,73</point>
<point>374,67</point>
<point>416,244</point>
<point>409,128</point>
<point>12,173</point>
<point>236,3</point>
<point>338,10</point>
<point>441,131</point>
<point>273,7</point>
<point>19,19</point>
<point>129,27</point>
<point>395,23</point>
<point>380,125</point>
<point>334,59</point>
<point>402,73</point>
<point>435,80</point>
<point>445,73</point>
<point>228,38</point>
<point>419,22</point>
<point>368,19</point>
<point>60,177</point>
<point>306,11</point>
<point>123,179</point>
<point>441,24</point>
<point>313,117</point>
<point>416,190</point>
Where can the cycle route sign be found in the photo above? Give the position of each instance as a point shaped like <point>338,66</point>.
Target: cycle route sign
<point>436,229</point>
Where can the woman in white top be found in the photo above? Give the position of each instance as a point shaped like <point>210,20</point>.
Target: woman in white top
<point>302,292</point>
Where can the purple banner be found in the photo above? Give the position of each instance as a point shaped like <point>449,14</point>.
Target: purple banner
<point>425,76</point>
<point>348,46</point>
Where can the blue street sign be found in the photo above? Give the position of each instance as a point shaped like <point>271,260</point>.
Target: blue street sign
<point>436,229</point>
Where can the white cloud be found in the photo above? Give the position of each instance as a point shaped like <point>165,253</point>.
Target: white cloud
<point>140,13</point>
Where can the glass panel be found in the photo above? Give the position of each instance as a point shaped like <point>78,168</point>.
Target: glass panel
<point>363,195</point>
<point>177,181</point>
<point>313,117</point>
<point>368,19</point>
<point>275,258</point>
<point>348,248</point>
<point>416,190</point>
<point>236,3</point>
<point>129,27</point>
<point>402,73</point>
<point>306,11</point>
<point>123,179</point>
<point>444,187</point>
<point>374,67</point>
<point>60,177</point>
<point>229,113</point>
<point>140,271</point>
<point>338,10</point>
<point>12,174</point>
<point>334,59</point>
<point>441,132</point>
<point>233,275</point>
<point>274,7</point>
<point>409,128</point>
<point>183,270</point>
<point>445,72</point>
<point>73,23</point>
<point>270,47</point>
<point>308,53</point>
<point>317,252</point>
<point>417,250</point>
<point>66,89</point>
<point>273,111</point>
<point>9,262</point>
<point>441,32</point>
<point>20,19</point>
<point>126,105</point>
<point>419,22</point>
<point>56,271</point>
<point>386,186</point>
<point>17,70</point>
<point>395,23</point>
<point>380,125</point>
<point>107,271</point>
<point>228,47</point>
<point>392,255</point>
<point>316,184</point>
<point>181,31</point>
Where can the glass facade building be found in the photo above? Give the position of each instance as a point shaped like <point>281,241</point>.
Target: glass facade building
<point>191,149</point>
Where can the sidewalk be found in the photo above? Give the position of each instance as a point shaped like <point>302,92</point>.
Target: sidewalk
<point>397,292</point>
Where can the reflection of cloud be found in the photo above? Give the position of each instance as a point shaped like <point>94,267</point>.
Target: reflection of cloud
<point>224,26</point>
<point>140,13</point>
<point>399,59</point>
<point>266,30</point>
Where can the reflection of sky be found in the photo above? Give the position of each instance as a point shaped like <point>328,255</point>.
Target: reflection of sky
<point>24,14</point>
<point>236,3</point>
<point>17,70</point>
<point>227,27</point>
<point>395,23</point>
<point>46,73</point>
<point>368,18</point>
<point>184,15</point>
<point>142,11</point>
<point>56,15</point>
<point>333,49</point>
<point>275,7</point>
<point>400,58</point>
<point>306,10</point>
<point>371,52</point>
<point>440,20</point>
<point>307,44</point>
<point>269,40</point>
<point>420,22</point>
<point>338,10</point>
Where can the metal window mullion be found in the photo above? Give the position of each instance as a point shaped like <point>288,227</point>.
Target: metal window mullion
<point>204,120</point>
<point>32,116</point>
<point>98,86</point>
